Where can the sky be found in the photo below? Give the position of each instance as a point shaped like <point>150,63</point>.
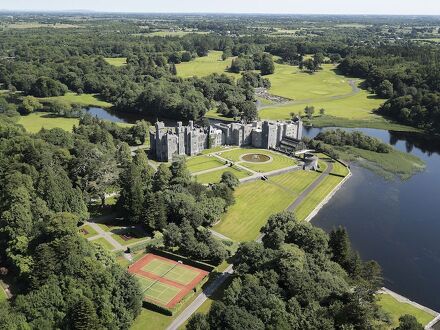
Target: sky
<point>396,7</point>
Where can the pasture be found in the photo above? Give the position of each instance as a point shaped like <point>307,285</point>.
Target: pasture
<point>204,66</point>
<point>165,281</point>
<point>3,295</point>
<point>257,200</point>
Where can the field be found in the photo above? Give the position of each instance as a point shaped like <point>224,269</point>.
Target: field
<point>164,281</point>
<point>204,66</point>
<point>396,309</point>
<point>215,176</point>
<point>81,99</point>
<point>116,61</point>
<point>277,162</point>
<point>202,163</point>
<point>316,196</point>
<point>174,33</point>
<point>256,201</point>
<point>34,122</point>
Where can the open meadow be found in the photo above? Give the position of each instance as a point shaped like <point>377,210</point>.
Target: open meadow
<point>116,61</point>
<point>204,66</point>
<point>34,122</point>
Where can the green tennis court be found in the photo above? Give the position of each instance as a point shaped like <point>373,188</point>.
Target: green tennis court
<point>171,271</point>
<point>157,291</point>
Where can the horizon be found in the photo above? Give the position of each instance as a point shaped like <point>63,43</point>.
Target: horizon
<point>275,7</point>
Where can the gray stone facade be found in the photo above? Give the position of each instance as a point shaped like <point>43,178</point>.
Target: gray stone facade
<point>167,142</point>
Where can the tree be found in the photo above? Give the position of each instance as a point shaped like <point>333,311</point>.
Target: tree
<point>309,110</point>
<point>161,178</point>
<point>83,315</point>
<point>30,104</point>
<point>322,111</point>
<point>173,69</point>
<point>385,89</point>
<point>249,112</point>
<point>408,322</point>
<point>267,65</point>
<point>230,179</point>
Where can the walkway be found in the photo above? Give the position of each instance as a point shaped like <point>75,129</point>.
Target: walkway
<point>310,188</point>
<point>201,298</point>
<point>104,234</point>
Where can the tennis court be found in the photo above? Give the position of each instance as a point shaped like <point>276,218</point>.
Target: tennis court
<point>164,281</point>
<point>171,270</point>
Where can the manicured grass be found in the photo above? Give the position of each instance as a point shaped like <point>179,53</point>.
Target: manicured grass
<point>390,164</point>
<point>202,163</point>
<point>215,176</point>
<point>90,231</point>
<point>339,169</point>
<point>116,61</point>
<point>134,238</point>
<point>34,122</point>
<point>204,66</point>
<point>278,161</point>
<point>316,196</point>
<point>354,107</point>
<point>82,99</point>
<point>104,243</point>
<point>256,201</point>
<point>397,309</point>
<point>291,82</point>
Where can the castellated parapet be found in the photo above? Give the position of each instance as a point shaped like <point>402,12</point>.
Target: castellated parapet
<point>190,140</point>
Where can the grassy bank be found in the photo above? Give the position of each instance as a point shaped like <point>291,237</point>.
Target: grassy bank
<point>388,165</point>
<point>396,309</point>
<point>215,176</point>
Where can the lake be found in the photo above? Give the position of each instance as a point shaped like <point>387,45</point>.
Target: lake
<point>396,223</point>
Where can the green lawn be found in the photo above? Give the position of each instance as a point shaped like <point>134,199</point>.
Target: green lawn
<point>339,169</point>
<point>134,239</point>
<point>396,309</point>
<point>292,83</point>
<point>87,231</point>
<point>316,196</point>
<point>104,243</point>
<point>278,161</point>
<point>256,201</point>
<point>202,163</point>
<point>213,114</point>
<point>204,66</point>
<point>82,99</point>
<point>34,122</point>
<point>215,176</point>
<point>3,295</point>
<point>116,61</point>
<point>354,107</point>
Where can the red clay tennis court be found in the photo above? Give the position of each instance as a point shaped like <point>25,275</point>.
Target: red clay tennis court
<point>164,281</point>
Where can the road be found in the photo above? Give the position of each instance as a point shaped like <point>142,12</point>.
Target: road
<point>201,298</point>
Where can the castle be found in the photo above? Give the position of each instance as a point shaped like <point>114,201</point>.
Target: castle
<point>190,140</point>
